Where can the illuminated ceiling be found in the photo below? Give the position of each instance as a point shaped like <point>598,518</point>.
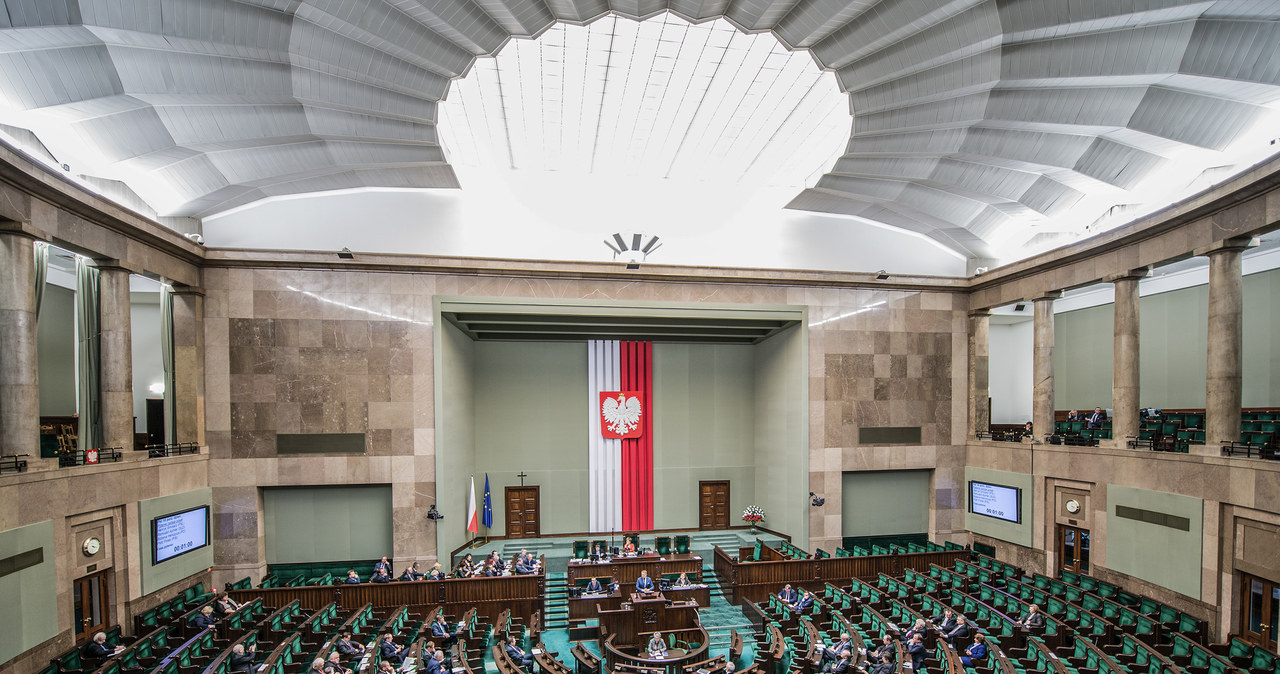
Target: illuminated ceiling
<point>997,128</point>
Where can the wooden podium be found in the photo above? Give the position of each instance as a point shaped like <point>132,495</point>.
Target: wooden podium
<point>625,632</point>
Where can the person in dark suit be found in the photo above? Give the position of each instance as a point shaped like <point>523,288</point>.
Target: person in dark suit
<point>518,655</point>
<point>644,583</point>
<point>887,649</point>
<point>526,566</point>
<point>241,661</point>
<point>594,586</point>
<point>788,595</point>
<point>383,565</point>
<point>348,647</point>
<point>1073,416</point>
<point>960,634</point>
<point>976,654</point>
<point>317,666</point>
<point>598,554</point>
<point>918,628</point>
<point>945,622</point>
<point>491,569</point>
<point>381,577</point>
<point>435,573</point>
<point>883,666</point>
<point>842,665</point>
<point>1034,619</point>
<point>831,654</point>
<point>465,567</point>
<point>917,651</point>
<point>1095,420</point>
<point>805,602</point>
<point>435,663</point>
<point>683,581</point>
<point>204,620</point>
<point>224,606</point>
<point>99,650</point>
<point>353,578</point>
<point>334,664</point>
<point>390,651</point>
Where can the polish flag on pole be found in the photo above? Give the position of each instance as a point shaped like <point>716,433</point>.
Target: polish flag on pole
<point>473,523</point>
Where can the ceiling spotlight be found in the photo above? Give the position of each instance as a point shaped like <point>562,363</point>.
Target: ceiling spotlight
<point>346,254</point>
<point>634,251</point>
<point>882,275</point>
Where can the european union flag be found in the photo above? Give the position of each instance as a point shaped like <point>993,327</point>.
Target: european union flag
<point>488,504</point>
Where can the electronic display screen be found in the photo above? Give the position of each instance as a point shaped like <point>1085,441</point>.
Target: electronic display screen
<point>179,533</point>
<point>995,500</point>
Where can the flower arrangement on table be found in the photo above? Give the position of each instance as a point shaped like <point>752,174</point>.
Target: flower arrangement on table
<point>753,515</point>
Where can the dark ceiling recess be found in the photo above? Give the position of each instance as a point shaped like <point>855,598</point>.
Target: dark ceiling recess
<point>569,327</point>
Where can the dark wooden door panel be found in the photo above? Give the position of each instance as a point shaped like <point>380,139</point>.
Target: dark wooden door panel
<point>522,510</point>
<point>713,504</point>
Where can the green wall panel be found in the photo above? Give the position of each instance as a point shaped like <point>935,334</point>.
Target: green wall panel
<point>703,424</point>
<point>455,433</point>
<point>1261,385</point>
<point>531,416</point>
<point>56,344</point>
<point>158,576</point>
<point>1130,542</point>
<point>327,523</point>
<point>1019,534</point>
<point>782,432</point>
<point>1082,367</point>
<point>29,596</point>
<point>879,503</point>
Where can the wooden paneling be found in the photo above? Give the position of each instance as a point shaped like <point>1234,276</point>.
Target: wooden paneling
<point>489,596</point>
<point>625,570</point>
<point>522,512</point>
<point>755,581</point>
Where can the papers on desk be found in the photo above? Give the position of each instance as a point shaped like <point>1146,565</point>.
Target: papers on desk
<point>536,651</point>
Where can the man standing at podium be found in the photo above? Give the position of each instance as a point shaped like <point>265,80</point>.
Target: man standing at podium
<point>644,584</point>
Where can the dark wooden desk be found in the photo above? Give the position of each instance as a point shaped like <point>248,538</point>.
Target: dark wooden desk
<point>625,570</point>
<point>584,607</point>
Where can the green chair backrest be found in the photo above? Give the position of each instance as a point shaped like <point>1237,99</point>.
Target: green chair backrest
<point>682,544</point>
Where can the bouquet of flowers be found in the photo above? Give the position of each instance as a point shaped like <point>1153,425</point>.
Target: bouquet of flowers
<point>753,515</point>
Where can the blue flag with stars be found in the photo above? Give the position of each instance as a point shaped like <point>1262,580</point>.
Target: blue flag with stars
<point>488,504</point>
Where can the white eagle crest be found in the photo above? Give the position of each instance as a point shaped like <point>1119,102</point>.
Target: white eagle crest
<point>622,414</point>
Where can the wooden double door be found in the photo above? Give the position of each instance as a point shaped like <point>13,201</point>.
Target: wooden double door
<point>522,512</point>
<point>91,599</point>
<point>1073,549</point>
<point>713,504</point>
<point>1260,612</point>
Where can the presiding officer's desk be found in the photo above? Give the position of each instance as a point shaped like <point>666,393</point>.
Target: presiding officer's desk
<point>584,607</point>
<point>625,570</point>
<point>627,629</point>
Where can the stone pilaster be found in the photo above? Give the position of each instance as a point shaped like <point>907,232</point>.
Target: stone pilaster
<point>979,371</point>
<point>1222,377</point>
<point>1124,369</point>
<point>115,369</point>
<point>1042,365</point>
<point>19,364</point>
<point>188,363</point>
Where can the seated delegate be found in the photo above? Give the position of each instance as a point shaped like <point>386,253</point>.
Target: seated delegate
<point>644,584</point>
<point>657,646</point>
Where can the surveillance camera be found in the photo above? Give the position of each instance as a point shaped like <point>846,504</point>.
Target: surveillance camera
<point>433,514</point>
<point>195,237</point>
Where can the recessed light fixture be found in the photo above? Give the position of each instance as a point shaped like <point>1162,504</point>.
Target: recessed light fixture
<point>882,275</point>
<point>346,254</point>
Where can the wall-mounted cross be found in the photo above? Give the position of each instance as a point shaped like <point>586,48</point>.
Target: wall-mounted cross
<point>522,476</point>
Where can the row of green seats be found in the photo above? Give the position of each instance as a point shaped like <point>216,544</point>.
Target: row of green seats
<point>1176,620</point>
<point>921,581</point>
<point>167,611</point>
<point>1089,657</point>
<point>242,584</point>
<point>281,621</point>
<point>281,658</point>
<point>1006,570</point>
<point>222,665</point>
<point>974,571</point>
<point>1255,658</point>
<point>1198,657</point>
<point>955,580</point>
<point>1016,605</point>
<point>868,593</point>
<point>894,587</point>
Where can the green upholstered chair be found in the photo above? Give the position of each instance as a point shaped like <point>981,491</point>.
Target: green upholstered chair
<point>604,545</point>
<point>662,544</point>
<point>682,545</point>
<point>581,549</point>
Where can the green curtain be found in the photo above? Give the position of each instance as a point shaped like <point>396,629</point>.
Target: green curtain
<point>42,273</point>
<point>166,354</point>
<point>88,336</point>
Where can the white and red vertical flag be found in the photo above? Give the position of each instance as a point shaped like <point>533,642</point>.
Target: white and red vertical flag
<point>620,447</point>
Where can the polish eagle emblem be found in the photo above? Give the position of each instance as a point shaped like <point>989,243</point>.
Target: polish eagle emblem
<point>620,413</point>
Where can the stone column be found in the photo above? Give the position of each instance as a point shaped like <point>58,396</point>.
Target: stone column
<point>1124,368</point>
<point>1042,367</point>
<point>1222,377</point>
<point>188,363</point>
<point>19,364</point>
<point>979,371</point>
<point>115,368</point>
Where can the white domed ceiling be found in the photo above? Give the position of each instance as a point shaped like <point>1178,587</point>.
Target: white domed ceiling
<point>987,126</point>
